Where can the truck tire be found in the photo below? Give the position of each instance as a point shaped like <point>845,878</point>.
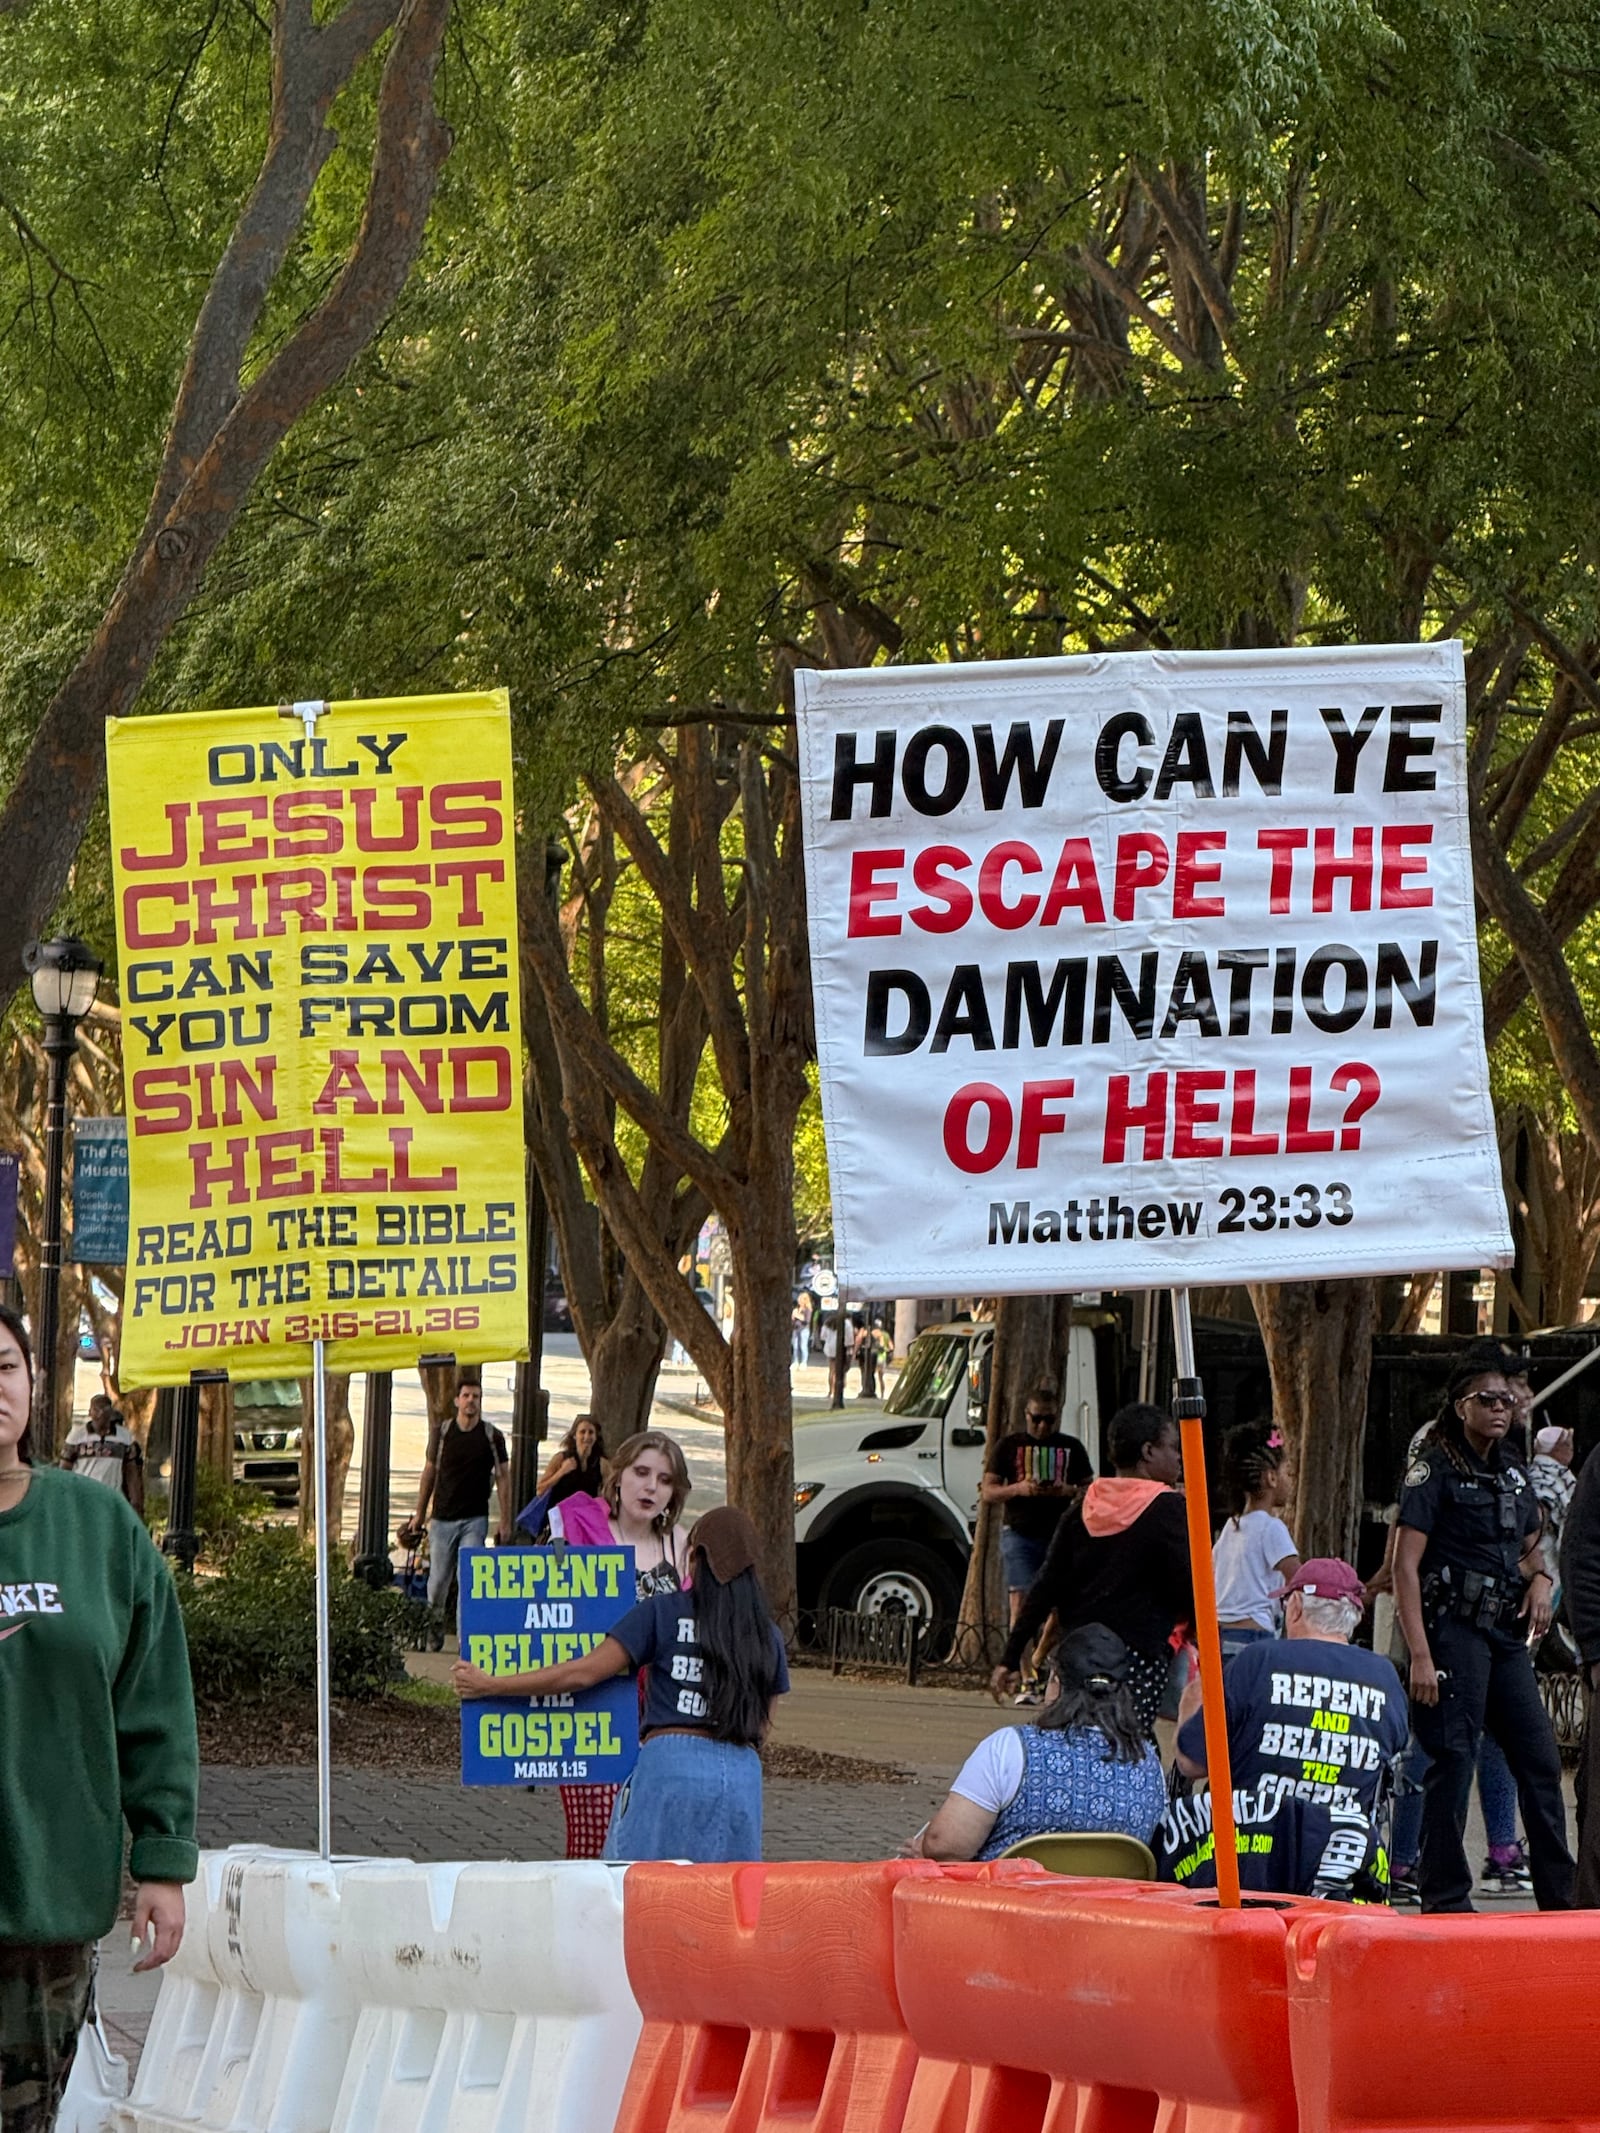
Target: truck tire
<point>893,1577</point>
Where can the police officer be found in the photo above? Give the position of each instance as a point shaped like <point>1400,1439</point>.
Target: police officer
<point>1470,1588</point>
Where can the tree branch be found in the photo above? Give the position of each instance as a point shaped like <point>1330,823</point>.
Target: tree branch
<point>49,804</point>
<point>309,69</point>
<point>652,1259</point>
<point>1168,335</point>
<point>1560,1010</point>
<point>575,1029</point>
<point>1193,247</point>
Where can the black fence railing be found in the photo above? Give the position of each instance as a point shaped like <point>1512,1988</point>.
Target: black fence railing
<point>893,1642</point>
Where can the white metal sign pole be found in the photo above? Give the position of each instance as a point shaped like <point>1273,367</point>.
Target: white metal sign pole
<point>319,1414</point>
<point>308,713</point>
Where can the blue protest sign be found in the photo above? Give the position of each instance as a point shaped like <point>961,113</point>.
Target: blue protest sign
<point>523,1608</point>
<point>99,1191</point>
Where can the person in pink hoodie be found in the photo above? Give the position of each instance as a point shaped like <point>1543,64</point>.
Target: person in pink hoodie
<point>1120,1557</point>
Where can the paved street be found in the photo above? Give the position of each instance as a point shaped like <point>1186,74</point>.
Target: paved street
<point>680,1392</point>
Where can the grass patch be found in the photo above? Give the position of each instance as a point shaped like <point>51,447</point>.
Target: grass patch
<point>426,1694</point>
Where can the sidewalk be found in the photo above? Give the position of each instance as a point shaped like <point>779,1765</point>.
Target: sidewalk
<point>926,1732</point>
<point>929,1731</point>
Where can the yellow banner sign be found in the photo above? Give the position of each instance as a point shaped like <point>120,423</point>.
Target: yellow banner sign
<point>321,1039</point>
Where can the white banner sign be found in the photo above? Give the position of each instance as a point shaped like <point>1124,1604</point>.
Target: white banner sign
<point>1148,969</point>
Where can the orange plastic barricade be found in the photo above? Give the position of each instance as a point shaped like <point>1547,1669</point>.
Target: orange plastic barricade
<point>1122,2008</point>
<point>1446,2022</point>
<point>768,1995</point>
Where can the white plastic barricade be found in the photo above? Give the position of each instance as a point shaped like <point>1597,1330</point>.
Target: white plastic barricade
<point>252,2029</point>
<point>494,1999</point>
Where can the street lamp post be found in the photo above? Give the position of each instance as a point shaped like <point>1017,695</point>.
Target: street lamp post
<point>65,976</point>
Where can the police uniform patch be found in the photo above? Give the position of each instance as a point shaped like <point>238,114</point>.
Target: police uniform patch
<point>1417,1473</point>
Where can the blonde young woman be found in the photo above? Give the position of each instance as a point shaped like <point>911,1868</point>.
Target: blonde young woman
<point>639,1508</point>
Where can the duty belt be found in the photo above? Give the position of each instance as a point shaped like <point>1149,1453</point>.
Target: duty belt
<point>1470,1596</point>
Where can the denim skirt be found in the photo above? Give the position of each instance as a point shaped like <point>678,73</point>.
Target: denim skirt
<point>690,1797</point>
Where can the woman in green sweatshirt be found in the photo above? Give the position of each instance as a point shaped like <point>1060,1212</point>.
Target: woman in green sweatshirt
<point>96,1729</point>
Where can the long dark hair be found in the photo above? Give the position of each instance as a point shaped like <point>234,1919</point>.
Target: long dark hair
<point>1250,1455</point>
<point>569,1444</point>
<point>12,1321</point>
<point>1111,1709</point>
<point>733,1629</point>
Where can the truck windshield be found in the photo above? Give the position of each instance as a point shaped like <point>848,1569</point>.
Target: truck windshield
<point>934,1368</point>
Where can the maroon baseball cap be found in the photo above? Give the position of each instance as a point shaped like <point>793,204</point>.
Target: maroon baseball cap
<point>1325,1577</point>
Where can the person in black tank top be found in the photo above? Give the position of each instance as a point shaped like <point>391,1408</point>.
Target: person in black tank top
<point>579,1465</point>
<point>465,1463</point>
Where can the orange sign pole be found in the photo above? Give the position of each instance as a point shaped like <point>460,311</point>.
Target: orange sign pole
<point>1190,1408</point>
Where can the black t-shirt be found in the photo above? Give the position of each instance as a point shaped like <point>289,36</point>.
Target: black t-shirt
<point>1136,1582</point>
<point>659,1634</point>
<point>465,1464</point>
<point>1053,1457</point>
<point>1461,1511</point>
<point>1268,1834</point>
<point>581,1481</point>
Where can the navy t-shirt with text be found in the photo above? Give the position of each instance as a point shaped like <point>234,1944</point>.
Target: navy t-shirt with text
<point>1329,1718</point>
<point>659,1634</point>
<point>1312,1726</point>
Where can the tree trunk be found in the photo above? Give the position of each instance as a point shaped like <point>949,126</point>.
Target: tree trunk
<point>214,1452</point>
<point>1318,1337</point>
<point>760,1425</point>
<point>224,430</point>
<point>1030,1347</point>
<point>341,1447</point>
<point>137,1409</point>
<point>439,1382</point>
<point>619,1329</point>
<point>623,1365</point>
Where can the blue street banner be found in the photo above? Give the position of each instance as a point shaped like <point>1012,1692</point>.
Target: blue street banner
<point>530,1607</point>
<point>99,1192</point>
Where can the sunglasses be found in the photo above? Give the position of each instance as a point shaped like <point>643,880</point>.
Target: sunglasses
<point>1036,1416</point>
<point>1493,1399</point>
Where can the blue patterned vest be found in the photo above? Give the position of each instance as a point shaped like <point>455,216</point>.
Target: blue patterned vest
<point>1067,1783</point>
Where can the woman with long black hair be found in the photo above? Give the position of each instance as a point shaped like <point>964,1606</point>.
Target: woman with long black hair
<point>714,1664</point>
<point>1085,1762</point>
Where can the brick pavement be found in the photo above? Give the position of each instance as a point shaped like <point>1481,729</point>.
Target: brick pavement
<point>379,1815</point>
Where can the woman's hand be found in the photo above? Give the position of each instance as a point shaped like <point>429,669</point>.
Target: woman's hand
<point>1003,1682</point>
<point>1536,1604</point>
<point>157,1909</point>
<point>469,1681</point>
<point>1424,1679</point>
